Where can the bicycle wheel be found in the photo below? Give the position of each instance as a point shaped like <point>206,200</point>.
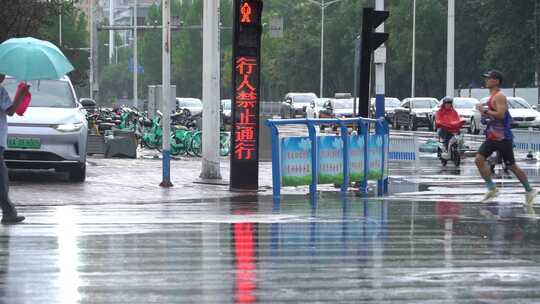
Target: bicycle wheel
<point>224,143</point>
<point>178,145</point>
<point>195,146</point>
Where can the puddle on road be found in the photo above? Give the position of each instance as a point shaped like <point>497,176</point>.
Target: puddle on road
<point>341,249</point>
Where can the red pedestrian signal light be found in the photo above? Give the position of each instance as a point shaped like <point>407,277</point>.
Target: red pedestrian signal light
<point>245,12</point>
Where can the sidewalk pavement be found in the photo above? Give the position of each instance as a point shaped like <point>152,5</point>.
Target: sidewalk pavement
<point>137,181</point>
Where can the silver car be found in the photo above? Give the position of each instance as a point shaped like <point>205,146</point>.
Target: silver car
<point>296,104</point>
<point>194,105</point>
<point>52,133</point>
<point>523,115</point>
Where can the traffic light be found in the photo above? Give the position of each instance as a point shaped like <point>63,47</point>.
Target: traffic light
<point>371,40</point>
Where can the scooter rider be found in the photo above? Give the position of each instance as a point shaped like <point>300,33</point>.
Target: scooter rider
<point>448,122</point>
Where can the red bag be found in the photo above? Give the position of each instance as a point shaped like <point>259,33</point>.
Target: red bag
<point>26,99</point>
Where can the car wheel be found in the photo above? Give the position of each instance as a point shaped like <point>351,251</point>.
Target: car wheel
<point>77,173</point>
<point>412,124</point>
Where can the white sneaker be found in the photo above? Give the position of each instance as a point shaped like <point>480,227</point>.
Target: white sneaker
<point>493,193</point>
<point>530,198</point>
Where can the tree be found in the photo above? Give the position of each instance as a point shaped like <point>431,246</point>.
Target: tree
<point>39,19</point>
<point>20,18</point>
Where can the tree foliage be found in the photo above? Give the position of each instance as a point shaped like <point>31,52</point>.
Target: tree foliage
<point>489,34</point>
<point>40,19</point>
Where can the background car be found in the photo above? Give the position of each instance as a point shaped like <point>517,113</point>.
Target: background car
<point>296,104</point>
<point>315,106</point>
<point>390,104</point>
<point>52,133</point>
<point>415,112</point>
<point>343,108</point>
<point>523,115</point>
<point>194,105</point>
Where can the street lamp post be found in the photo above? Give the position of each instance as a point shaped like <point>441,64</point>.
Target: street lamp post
<point>450,48</point>
<point>322,5</point>
<point>135,58</point>
<point>413,49</point>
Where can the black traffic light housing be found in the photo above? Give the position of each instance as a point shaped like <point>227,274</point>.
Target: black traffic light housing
<point>370,42</point>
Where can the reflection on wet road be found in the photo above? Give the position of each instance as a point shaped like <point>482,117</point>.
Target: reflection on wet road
<point>250,250</point>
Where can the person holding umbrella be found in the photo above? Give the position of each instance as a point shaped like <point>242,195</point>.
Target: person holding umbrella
<point>24,59</point>
<point>7,107</point>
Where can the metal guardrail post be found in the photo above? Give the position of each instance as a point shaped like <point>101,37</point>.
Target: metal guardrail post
<point>276,161</point>
<point>530,143</point>
<point>314,160</point>
<point>387,152</point>
<point>345,138</point>
<point>416,151</point>
<point>381,131</point>
<point>365,134</point>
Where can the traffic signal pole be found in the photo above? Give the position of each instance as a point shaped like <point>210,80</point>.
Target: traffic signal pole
<point>371,40</point>
<point>380,61</point>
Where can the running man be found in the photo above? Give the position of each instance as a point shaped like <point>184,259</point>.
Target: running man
<point>499,137</point>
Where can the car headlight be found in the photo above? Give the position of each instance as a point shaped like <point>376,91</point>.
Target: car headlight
<point>69,127</point>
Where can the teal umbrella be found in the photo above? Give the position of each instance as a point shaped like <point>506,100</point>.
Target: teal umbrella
<point>32,59</point>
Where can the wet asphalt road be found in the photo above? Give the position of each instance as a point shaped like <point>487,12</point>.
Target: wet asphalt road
<point>254,251</point>
<point>119,238</point>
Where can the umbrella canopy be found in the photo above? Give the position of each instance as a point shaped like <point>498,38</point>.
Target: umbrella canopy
<point>32,59</point>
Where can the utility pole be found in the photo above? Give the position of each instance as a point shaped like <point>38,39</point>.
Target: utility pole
<point>111,33</point>
<point>211,91</point>
<point>537,46</point>
<point>357,46</point>
<point>94,86</point>
<point>413,50</point>
<point>135,60</point>
<point>450,48</point>
<point>380,61</point>
<point>322,49</point>
<point>166,92</point>
<point>60,28</point>
<point>323,5</point>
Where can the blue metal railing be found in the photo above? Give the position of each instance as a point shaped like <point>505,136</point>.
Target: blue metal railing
<point>363,125</point>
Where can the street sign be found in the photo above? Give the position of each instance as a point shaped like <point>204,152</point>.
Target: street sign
<point>244,173</point>
<point>276,27</point>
